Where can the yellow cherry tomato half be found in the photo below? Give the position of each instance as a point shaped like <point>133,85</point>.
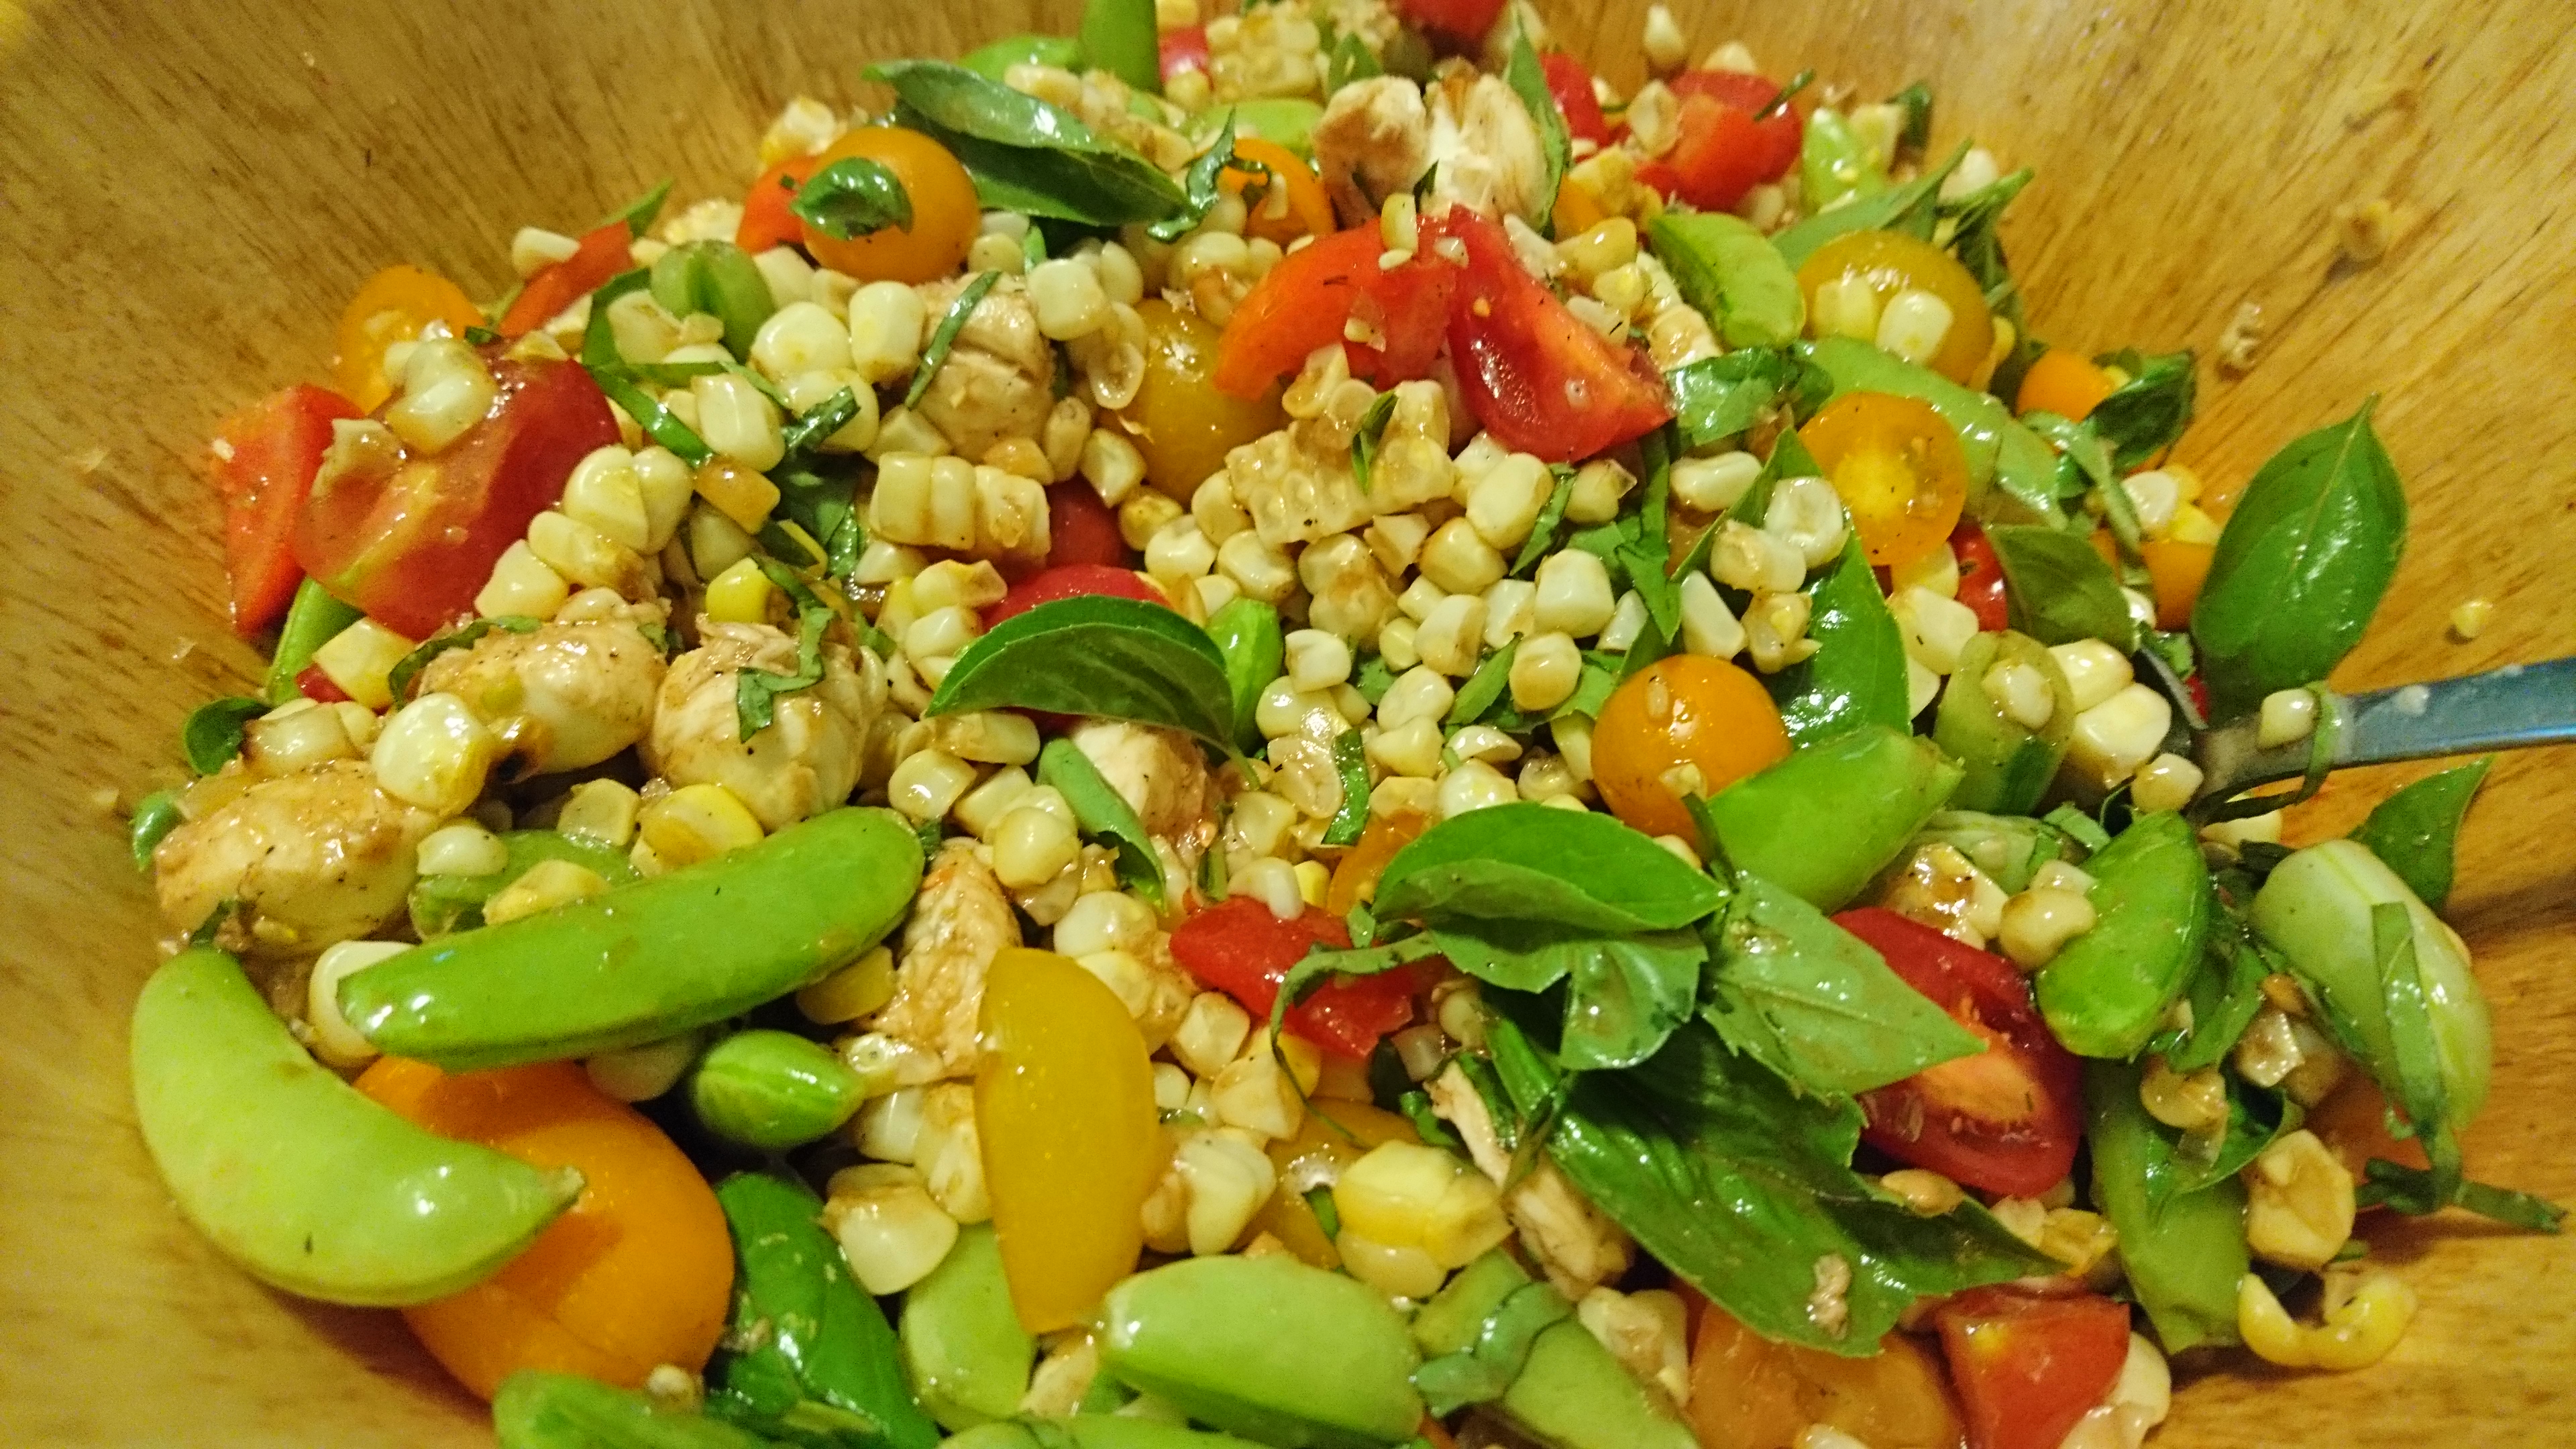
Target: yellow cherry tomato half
<point>395,305</point>
<point>1064,1105</point>
<point>1179,420</point>
<point>945,214</point>
<point>1688,725</point>
<point>1899,468</point>
<point>1887,265</point>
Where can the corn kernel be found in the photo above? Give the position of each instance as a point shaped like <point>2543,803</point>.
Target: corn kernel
<point>2038,923</point>
<point>856,990</point>
<point>1709,628</point>
<point>1031,847</point>
<point>890,1230</point>
<point>2115,737</point>
<point>640,1074</point>
<point>927,784</point>
<point>2299,1210</point>
<point>602,811</point>
<point>463,849</point>
<point>2288,716</point>
<point>2356,1334</point>
<point>1404,1194</point>
<point>446,391</point>
<point>2094,671</point>
<point>522,584</point>
<point>434,753</point>
<point>1913,326</point>
<point>1225,1181</point>
<point>740,595</point>
<point>586,557</point>
<point>360,660</point>
<point>335,1041</point>
<point>698,822</point>
<point>546,885</point>
<point>2167,782</point>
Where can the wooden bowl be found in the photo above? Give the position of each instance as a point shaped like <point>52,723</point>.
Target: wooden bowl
<point>194,190</point>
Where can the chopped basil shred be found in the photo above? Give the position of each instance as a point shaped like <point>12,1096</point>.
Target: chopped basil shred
<point>1202,185</point>
<point>756,691</point>
<point>212,734</point>
<point>1104,814</point>
<point>943,338</point>
<point>408,668</point>
<point>1366,437</point>
<point>1350,760</point>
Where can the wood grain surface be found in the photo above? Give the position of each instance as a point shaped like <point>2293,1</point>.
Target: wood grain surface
<point>192,191</point>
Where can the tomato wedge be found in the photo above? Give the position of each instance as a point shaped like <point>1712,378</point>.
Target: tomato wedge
<point>1571,84</point>
<point>1241,949</point>
<point>1536,376</point>
<point>766,221</point>
<point>1457,19</point>
<point>265,459</point>
<point>604,253</point>
<point>1185,49</point>
<point>1777,136</point>
<point>2004,1120</point>
<point>1981,578</point>
<point>2028,1367</point>
<point>1307,300</point>
<point>412,545</point>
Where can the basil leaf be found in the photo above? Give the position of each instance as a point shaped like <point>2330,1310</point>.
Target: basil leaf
<point>2414,831</point>
<point>851,198</point>
<point>806,431</point>
<point>1527,862</point>
<point>1026,155</point>
<point>1104,814</point>
<point>2226,994</point>
<point>756,691</point>
<point>1894,209</point>
<point>1648,553</point>
<point>1718,397</point>
<point>1978,243</point>
<point>1350,758</point>
<point>1247,636</point>
<point>943,338</point>
<point>408,668</point>
<point>1365,438</point>
<point>1815,1004</point>
<point>2301,566</point>
<point>2413,1074</point>
<point>2255,1116</point>
<point>639,213</point>
<point>657,422</point>
<point>1625,994</point>
<point>1551,522</point>
<point>1118,658</point>
<point>1916,102</point>
<point>1729,270</point>
<point>1522,72</point>
<point>313,620</point>
<point>1856,677</point>
<point>1118,36</point>
<point>1201,186</point>
<point>2147,414</point>
<point>824,505</point>
<point>2410,1190</point>
<point>1485,688</point>
<point>1372,679</point>
<point>2060,589</point>
<point>1348,60</point>
<point>2083,829</point>
<point>155,816</point>
<point>1485,1370</point>
<point>212,733</point>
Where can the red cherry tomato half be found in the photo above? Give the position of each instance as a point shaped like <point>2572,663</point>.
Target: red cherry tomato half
<point>1306,300</point>
<point>766,221</point>
<point>1466,20</point>
<point>1243,950</point>
<point>413,544</point>
<point>1981,578</point>
<point>1536,376</point>
<point>2026,1367</point>
<point>2004,1120</point>
<point>1081,529</point>
<point>603,254</point>
<point>317,686</point>
<point>1571,84</point>
<point>1072,581</point>
<point>265,459</point>
<point>1184,50</point>
<point>1778,136</point>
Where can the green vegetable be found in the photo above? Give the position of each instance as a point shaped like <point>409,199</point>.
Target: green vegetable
<point>1365,438</point>
<point>656,958</point>
<point>212,733</point>
<point>1267,1348</point>
<point>756,691</point>
<point>1095,655</point>
<point>943,338</point>
<point>1485,688</point>
<point>1350,761</point>
<point>2084,471</point>
<point>1833,163</point>
<point>2183,1252</point>
<point>639,213</point>
<point>994,61</point>
<point>155,816</point>
<point>851,198</point>
<point>443,904</point>
<point>539,1410</point>
<point>294,1175</point>
<point>2255,1116</point>
<point>1521,71</point>
<point>2226,994</point>
<point>1551,522</point>
<point>2002,455</point>
<point>1528,862</point>
<point>1103,814</point>
<point>2147,414</point>
<point>2008,766</point>
<point>772,1090</point>
<point>1977,240</point>
<point>2414,831</point>
<point>1572,1394</point>
<point>1118,37</point>
<point>1856,677</point>
<point>1347,59</point>
<point>2107,991</point>
<point>2060,589</point>
<point>1093,1428</point>
<point>313,620</point>
<point>657,422</point>
<point>2008,847</point>
<point>406,669</point>
<point>1908,208</point>
<point>719,278</point>
<point>963,1348</point>
<point>1729,270</point>
<point>1026,155</point>
<point>1493,1335</point>
<point>807,1349</point>
<point>2411,1190</point>
<point>1822,822</point>
<point>1247,635</point>
<point>1288,120</point>
<point>1481,1363</point>
<point>1201,187</point>
<point>1717,398</point>
<point>2301,566</point>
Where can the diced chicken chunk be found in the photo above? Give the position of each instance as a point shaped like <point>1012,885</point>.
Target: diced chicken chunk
<point>315,857</point>
<point>960,921</point>
<point>566,694</point>
<point>999,379</point>
<point>805,762</point>
<point>1373,142</point>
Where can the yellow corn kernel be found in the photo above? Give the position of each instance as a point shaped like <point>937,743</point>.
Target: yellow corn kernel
<point>2356,1333</point>
<point>2300,1206</point>
<point>434,753</point>
<point>852,992</point>
<point>740,595</point>
<point>738,492</point>
<point>1403,1194</point>
<point>360,658</point>
<point>547,884</point>
<point>601,810</point>
<point>891,1231</point>
<point>698,822</point>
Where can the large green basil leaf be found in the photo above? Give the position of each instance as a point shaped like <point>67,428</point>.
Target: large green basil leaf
<point>1118,658</point>
<point>1895,209</point>
<point>2414,831</point>
<point>1716,398</point>
<point>1573,870</point>
<point>1624,993</point>
<point>2301,566</point>
<point>2061,589</point>
<point>1856,677</point>
<point>212,733</point>
<point>1026,155</point>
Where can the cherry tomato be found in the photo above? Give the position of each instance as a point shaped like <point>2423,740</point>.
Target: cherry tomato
<point>2004,1120</point>
<point>1780,133</point>
<point>1461,20</point>
<point>1183,420</point>
<point>1899,469</point>
<point>1072,1144</point>
<point>2178,569</point>
<point>317,686</point>
<point>1307,210</point>
<point>1185,49</point>
<point>1305,302</point>
<point>265,458</point>
<point>945,214</point>
<point>1536,376</point>
<point>1683,715</point>
<point>1981,578</point>
<point>2028,1367</point>
<point>1080,528</point>
<point>1072,581</point>
<point>2064,383</point>
<point>1571,84</point>
<point>1890,262</point>
<point>639,1272</point>
<point>413,545</point>
<point>1355,874</point>
<point>1332,1136</point>
<point>605,251</point>
<point>1241,949</point>
<point>766,220</point>
<point>395,305</point>
<point>1750,1393</point>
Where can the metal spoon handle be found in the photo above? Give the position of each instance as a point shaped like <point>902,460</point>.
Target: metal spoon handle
<point>2511,708</point>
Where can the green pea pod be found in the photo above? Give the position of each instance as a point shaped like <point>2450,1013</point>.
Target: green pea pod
<point>1118,36</point>
<point>313,620</point>
<point>537,1410</point>
<point>1247,635</point>
<point>994,61</point>
<point>1833,163</point>
<point>1093,1431</point>
<point>298,1178</point>
<point>2011,848</point>
<point>444,904</point>
<point>2009,766</point>
<point>649,961</point>
<point>2108,991</point>
<point>2183,1252</point>
<point>155,816</point>
<point>1288,120</point>
<point>2012,474</point>
<point>1729,270</point>
<point>1822,822</point>
<point>772,1090</point>
<point>964,1350</point>
<point>825,1368</point>
<point>715,277</point>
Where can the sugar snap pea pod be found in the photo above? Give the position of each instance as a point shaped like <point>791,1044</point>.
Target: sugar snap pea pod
<point>821,1365</point>
<point>2012,474</point>
<point>2183,1252</point>
<point>2107,992</point>
<point>297,1177</point>
<point>995,60</point>
<point>963,1348</point>
<point>649,960</point>
<point>1834,163</point>
<point>718,278</point>
<point>1092,1431</point>
<point>772,1090</point>
<point>155,816</point>
<point>313,620</point>
<point>1823,821</point>
<point>1118,37</point>
<point>2010,848</point>
<point>1729,270</point>
<point>1247,634</point>
<point>2008,763</point>
<point>538,1410</point>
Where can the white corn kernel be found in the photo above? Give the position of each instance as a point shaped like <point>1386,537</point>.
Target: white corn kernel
<point>982,808</point>
<point>1317,660</point>
<point>1256,568</point>
<point>1105,921</point>
<point>360,660</point>
<point>1807,515</point>
<point>890,1230</point>
<point>1648,1332</point>
<point>798,338</point>
<point>1598,487</point>
<point>716,543</point>
<point>2038,923</point>
<point>2167,782</point>
<point>1573,595</point>
<point>2471,617</point>
<point>1484,743</point>
<point>2115,737</point>
<point>1937,571</point>
<point>1418,693</point>
<point>1914,325</point>
<point>1031,847</point>
<point>464,848</point>
<point>1474,785</point>
<point>2356,1333</point>
<point>1922,686</point>
<point>1456,559</point>
<point>1452,638</point>
<point>1511,611</point>
<point>2155,496</point>
<point>901,430</point>
<point>1712,485</point>
<point>1260,824</point>
<point>533,249</point>
<point>521,583</point>
<point>1284,711</point>
<point>888,1128</point>
<point>2022,692</point>
<point>1935,629</point>
<point>604,812</point>
<point>543,887</point>
<point>697,822</point>
<point>948,1151</point>
<point>927,784</point>
<point>940,634</point>
<point>1180,551</point>
<point>336,1042</point>
<point>1272,882</point>
<point>604,492</point>
<point>642,1073</point>
<point>789,275</point>
<point>1404,1194</point>
<point>1775,631</point>
<point>2094,671</point>
<point>434,753</point>
<point>738,420</point>
<point>1226,1181</point>
<point>886,323</point>
<point>1846,306</point>
<point>1504,505</point>
<point>1709,628</point>
<point>1547,669</point>
<point>1410,749</point>
<point>987,737</point>
<point>1068,299</point>
<point>2299,1210</point>
<point>2289,716</point>
<point>586,557</point>
<point>1666,48</point>
<point>1755,562</point>
<point>1212,1033</point>
<point>1627,622</point>
<point>446,391</point>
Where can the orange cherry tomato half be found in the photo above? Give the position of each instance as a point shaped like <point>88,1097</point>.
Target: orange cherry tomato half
<point>1750,1393</point>
<point>1355,874</point>
<point>1064,1104</point>
<point>395,305</point>
<point>1182,420</point>
<point>2064,383</point>
<point>1287,203</point>
<point>1891,262</point>
<point>1678,718</point>
<point>2178,569</point>
<point>1898,467</point>
<point>639,1272</point>
<point>945,214</point>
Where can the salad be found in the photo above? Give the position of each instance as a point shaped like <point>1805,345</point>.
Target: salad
<point>1288,729</point>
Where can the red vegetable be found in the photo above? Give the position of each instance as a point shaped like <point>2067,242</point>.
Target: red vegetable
<point>1536,376</point>
<point>1463,20</point>
<point>1571,84</point>
<point>316,686</point>
<point>2026,1367</point>
<point>265,459</point>
<point>2004,1120</point>
<point>1306,300</point>
<point>766,221</point>
<point>1072,581</point>
<point>603,255</point>
<point>1981,578</point>
<point>1184,50</point>
<point>1723,152</point>
<point>1243,950</point>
